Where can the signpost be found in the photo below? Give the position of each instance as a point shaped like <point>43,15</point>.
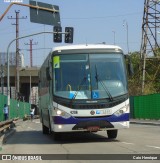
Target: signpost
<point>44,16</point>
<point>42,13</point>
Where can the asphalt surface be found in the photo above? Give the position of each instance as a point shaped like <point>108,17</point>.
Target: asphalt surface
<point>4,137</point>
<point>141,138</point>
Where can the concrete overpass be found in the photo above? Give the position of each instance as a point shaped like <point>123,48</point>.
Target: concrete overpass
<point>25,74</point>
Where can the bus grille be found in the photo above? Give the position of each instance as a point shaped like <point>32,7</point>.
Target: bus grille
<point>86,124</point>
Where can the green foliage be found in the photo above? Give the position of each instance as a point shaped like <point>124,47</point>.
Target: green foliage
<point>157,52</point>
<point>152,75</point>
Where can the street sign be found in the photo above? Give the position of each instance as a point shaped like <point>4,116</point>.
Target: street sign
<point>43,16</point>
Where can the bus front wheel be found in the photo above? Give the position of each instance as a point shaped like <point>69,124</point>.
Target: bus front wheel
<point>57,135</point>
<point>112,134</point>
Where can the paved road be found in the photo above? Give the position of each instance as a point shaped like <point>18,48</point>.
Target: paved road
<point>138,139</point>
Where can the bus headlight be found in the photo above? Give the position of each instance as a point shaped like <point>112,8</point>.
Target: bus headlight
<point>58,112</point>
<point>122,110</point>
<point>62,113</point>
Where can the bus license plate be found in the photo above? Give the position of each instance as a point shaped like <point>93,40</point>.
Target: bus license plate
<point>93,128</point>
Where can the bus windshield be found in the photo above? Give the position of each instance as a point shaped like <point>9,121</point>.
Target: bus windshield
<point>89,76</point>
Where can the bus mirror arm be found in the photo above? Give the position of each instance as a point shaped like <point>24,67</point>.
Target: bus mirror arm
<point>48,74</point>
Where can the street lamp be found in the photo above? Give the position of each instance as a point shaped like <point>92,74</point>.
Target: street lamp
<point>8,65</point>
<point>126,23</point>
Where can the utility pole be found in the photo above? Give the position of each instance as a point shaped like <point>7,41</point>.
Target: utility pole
<point>17,50</point>
<point>31,44</point>
<point>2,79</point>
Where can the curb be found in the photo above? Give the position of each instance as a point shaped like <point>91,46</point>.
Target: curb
<point>145,123</point>
<point>3,138</point>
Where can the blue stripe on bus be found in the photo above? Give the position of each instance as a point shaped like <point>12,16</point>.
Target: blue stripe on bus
<point>73,120</point>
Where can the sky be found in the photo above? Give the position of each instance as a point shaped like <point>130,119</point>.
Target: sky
<point>94,21</point>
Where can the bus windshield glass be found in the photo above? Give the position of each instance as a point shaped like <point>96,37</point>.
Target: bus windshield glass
<point>89,76</point>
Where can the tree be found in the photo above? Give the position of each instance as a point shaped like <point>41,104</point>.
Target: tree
<point>152,75</point>
<point>134,84</point>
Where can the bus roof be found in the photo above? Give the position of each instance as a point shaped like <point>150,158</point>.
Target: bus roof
<point>86,46</point>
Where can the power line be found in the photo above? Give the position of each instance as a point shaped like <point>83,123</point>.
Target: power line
<point>105,17</point>
<point>36,49</point>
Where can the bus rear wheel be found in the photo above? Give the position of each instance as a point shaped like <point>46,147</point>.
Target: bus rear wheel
<point>112,134</point>
<point>45,129</point>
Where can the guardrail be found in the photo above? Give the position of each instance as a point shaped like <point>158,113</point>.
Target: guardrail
<point>28,117</point>
<point>6,125</point>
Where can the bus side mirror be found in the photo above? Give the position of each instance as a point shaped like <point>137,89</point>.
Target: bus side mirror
<point>129,65</point>
<point>48,74</point>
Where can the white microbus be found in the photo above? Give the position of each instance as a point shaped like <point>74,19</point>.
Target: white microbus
<point>84,88</point>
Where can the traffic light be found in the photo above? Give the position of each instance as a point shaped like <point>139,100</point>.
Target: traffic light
<point>69,35</point>
<point>57,36</point>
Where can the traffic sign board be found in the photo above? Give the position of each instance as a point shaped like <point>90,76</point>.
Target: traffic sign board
<point>44,16</point>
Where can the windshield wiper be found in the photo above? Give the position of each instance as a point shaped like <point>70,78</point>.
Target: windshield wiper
<point>103,85</point>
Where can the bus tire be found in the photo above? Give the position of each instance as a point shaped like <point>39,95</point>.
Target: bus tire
<point>45,129</point>
<point>112,134</point>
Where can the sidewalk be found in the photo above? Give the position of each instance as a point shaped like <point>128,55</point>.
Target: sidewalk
<point>145,122</point>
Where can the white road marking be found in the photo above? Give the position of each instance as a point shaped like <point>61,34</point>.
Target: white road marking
<point>153,146</point>
<point>128,143</point>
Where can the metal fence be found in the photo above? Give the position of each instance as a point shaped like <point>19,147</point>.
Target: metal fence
<point>17,108</point>
<point>145,107</point>
<point>141,107</point>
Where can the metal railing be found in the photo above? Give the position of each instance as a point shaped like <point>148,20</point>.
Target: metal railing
<point>7,125</point>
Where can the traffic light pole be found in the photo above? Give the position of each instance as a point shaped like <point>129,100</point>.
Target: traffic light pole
<point>8,70</point>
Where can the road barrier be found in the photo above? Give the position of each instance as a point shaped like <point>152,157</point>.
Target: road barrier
<point>141,107</point>
<point>28,117</point>
<point>5,128</point>
<point>17,108</point>
<point>5,125</point>
<point>145,107</point>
